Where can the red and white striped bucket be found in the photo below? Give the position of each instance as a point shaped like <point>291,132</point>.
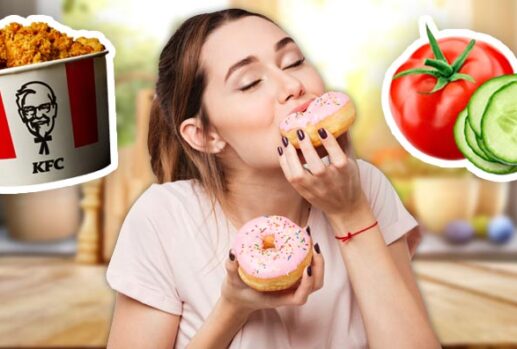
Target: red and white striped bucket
<point>55,124</point>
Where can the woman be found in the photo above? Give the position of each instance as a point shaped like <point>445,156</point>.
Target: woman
<point>226,80</point>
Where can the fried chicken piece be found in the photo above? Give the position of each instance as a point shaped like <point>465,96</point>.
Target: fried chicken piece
<point>83,46</point>
<point>3,52</point>
<point>61,44</point>
<point>27,44</point>
<point>38,42</point>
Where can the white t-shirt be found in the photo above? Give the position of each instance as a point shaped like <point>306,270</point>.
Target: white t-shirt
<point>169,255</point>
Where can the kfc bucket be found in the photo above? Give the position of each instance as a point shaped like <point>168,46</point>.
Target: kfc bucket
<point>55,124</point>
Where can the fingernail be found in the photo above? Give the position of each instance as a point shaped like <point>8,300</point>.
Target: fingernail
<point>308,230</point>
<point>300,134</point>
<point>309,270</point>
<point>280,150</point>
<point>322,132</point>
<point>317,248</point>
<point>232,256</point>
<point>285,141</point>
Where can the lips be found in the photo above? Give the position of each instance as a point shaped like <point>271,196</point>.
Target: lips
<point>302,107</point>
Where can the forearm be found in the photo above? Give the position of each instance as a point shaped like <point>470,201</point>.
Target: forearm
<point>390,313</point>
<point>220,327</point>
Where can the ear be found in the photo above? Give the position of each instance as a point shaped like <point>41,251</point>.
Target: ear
<point>192,131</point>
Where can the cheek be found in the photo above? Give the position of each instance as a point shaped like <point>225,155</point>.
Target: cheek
<point>250,132</point>
<point>315,82</point>
<point>248,114</point>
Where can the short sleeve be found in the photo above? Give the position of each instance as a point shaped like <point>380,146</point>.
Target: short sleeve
<point>139,267</point>
<point>393,218</point>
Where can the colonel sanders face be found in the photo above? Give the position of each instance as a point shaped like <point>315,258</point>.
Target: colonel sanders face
<point>37,107</point>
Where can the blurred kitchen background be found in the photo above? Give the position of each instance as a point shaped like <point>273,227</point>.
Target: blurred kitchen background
<point>54,245</point>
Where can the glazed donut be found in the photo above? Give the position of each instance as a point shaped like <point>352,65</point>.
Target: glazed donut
<point>333,111</point>
<point>272,252</point>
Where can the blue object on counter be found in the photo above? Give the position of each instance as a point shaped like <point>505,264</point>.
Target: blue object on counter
<point>459,231</point>
<point>500,229</point>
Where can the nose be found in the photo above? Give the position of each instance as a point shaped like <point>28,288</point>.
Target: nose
<point>39,113</point>
<point>289,87</point>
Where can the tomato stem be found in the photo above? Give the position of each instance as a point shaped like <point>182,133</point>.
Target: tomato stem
<point>440,67</point>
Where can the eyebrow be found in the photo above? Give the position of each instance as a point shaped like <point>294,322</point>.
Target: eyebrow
<point>245,61</point>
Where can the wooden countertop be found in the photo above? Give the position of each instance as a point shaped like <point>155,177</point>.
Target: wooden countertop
<point>47,302</point>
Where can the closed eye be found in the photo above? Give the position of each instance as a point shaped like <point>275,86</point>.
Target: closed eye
<point>247,87</point>
<point>295,64</point>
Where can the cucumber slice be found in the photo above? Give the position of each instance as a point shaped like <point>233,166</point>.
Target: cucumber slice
<point>483,147</point>
<point>479,99</point>
<point>472,142</point>
<point>461,141</point>
<point>499,124</point>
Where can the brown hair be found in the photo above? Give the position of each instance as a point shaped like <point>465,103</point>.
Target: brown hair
<point>179,90</point>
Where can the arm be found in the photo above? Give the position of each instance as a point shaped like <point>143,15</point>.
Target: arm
<point>136,325</point>
<point>220,327</point>
<point>238,301</point>
<point>400,254</point>
<point>389,303</point>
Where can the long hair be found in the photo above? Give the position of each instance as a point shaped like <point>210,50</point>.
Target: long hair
<point>178,96</point>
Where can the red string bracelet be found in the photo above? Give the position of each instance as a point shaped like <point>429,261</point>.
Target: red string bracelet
<point>351,235</point>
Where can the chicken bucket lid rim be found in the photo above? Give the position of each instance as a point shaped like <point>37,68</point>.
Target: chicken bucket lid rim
<point>40,65</point>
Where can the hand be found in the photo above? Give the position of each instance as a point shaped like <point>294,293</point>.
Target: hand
<point>237,293</point>
<point>333,188</point>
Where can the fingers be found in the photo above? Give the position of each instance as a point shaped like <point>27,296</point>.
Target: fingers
<point>283,160</point>
<point>310,154</point>
<point>232,266</point>
<point>337,156</point>
<point>295,170</point>
<point>290,163</point>
<point>318,267</point>
<point>299,296</point>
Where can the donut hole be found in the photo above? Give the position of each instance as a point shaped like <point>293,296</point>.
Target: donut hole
<point>268,241</point>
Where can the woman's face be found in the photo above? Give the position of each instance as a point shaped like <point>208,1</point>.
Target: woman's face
<point>256,75</point>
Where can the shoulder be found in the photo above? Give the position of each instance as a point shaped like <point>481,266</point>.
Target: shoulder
<point>164,199</point>
<point>372,178</point>
<point>368,169</point>
<point>166,194</point>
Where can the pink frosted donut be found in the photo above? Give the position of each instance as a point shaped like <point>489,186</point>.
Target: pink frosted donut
<point>272,252</point>
<point>333,111</point>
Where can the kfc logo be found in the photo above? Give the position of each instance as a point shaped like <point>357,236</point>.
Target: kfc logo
<point>37,108</point>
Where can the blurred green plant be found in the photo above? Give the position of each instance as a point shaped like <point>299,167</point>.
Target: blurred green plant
<point>135,61</point>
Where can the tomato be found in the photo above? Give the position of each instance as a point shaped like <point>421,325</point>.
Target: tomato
<point>427,91</point>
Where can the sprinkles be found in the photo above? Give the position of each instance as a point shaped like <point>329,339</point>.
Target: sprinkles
<point>290,246</point>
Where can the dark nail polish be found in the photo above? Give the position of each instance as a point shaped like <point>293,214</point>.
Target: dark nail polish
<point>317,248</point>
<point>280,150</point>
<point>309,270</point>
<point>232,256</point>
<point>300,134</point>
<point>322,132</point>
<point>308,230</point>
<point>285,141</point>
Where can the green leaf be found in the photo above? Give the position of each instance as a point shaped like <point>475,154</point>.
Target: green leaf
<point>438,54</point>
<point>459,76</point>
<point>444,68</point>
<point>458,62</point>
<point>413,71</point>
<point>441,83</point>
